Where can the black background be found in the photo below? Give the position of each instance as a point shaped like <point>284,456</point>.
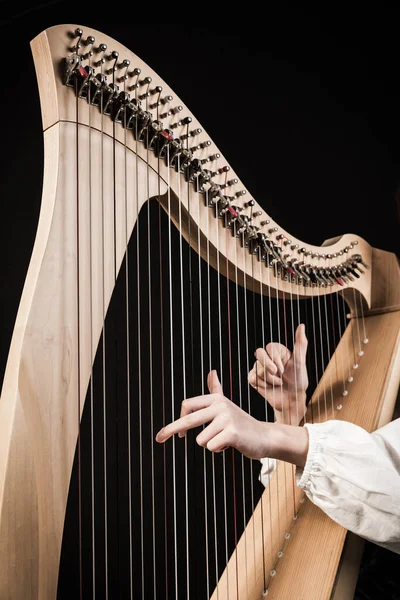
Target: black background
<point>304,107</point>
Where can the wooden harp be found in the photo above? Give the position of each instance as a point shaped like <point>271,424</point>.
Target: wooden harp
<point>115,136</point>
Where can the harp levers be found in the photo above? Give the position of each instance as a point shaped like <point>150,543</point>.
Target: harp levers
<point>119,142</point>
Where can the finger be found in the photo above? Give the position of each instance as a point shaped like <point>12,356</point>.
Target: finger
<point>267,373</point>
<point>265,362</point>
<point>220,442</point>
<point>213,383</point>
<point>190,405</point>
<point>279,355</point>
<point>204,415</point>
<point>258,382</point>
<point>213,429</point>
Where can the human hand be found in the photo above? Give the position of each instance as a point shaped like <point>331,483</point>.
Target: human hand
<point>280,376</point>
<point>227,424</point>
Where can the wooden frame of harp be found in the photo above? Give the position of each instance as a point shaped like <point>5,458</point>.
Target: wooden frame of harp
<point>100,103</point>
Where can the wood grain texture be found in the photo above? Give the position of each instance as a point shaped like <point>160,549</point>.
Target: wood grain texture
<point>52,46</point>
<point>311,558</point>
<point>60,320</point>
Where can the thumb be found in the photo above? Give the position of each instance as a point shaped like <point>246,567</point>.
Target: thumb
<point>301,342</point>
<point>213,383</point>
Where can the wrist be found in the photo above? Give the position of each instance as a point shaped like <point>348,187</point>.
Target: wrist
<point>294,412</point>
<point>288,443</point>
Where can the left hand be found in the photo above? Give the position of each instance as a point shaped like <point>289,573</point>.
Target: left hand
<point>281,377</point>
<point>228,425</point>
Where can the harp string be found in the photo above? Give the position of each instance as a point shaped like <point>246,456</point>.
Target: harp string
<point>246,320</point>
<point>139,335</point>
<point>308,364</point>
<point>164,455</point>
<point>184,378</point>
<point>294,384</point>
<point>128,359</point>
<point>289,415</point>
<point>103,346</point>
<point>277,475</point>
<point>321,346</point>
<point>205,484</point>
<point>78,344</point>
<point>172,380</point>
<point>262,267</point>
<point>150,331</point>
<point>209,369</point>
<point>279,322</point>
<point>235,533</point>
<point>222,384</point>
<point>239,350</point>
<point>344,393</point>
<point>255,342</point>
<point>91,353</point>
<point>328,353</point>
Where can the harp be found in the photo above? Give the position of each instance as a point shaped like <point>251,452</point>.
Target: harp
<point>116,136</point>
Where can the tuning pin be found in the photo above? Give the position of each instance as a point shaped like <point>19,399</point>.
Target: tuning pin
<point>100,50</point>
<point>113,56</point>
<point>90,40</point>
<point>78,33</point>
<point>124,65</point>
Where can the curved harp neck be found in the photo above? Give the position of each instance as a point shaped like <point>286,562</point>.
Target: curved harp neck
<point>189,165</point>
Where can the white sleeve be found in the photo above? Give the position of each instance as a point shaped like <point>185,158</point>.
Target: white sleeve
<point>354,477</point>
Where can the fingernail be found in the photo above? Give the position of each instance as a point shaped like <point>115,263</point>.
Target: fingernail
<point>159,437</point>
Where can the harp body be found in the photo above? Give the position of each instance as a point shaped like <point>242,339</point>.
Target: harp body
<point>39,414</point>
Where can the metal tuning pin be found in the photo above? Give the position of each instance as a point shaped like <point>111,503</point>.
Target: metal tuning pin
<point>135,73</point>
<point>193,133</point>
<point>90,40</point>
<point>78,33</point>
<point>184,121</point>
<point>153,92</point>
<point>113,56</point>
<point>124,65</point>
<point>100,50</point>
<point>358,259</point>
<point>230,182</point>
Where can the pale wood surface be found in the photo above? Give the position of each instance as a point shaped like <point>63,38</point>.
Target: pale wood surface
<point>311,558</point>
<point>53,45</point>
<point>42,396</point>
